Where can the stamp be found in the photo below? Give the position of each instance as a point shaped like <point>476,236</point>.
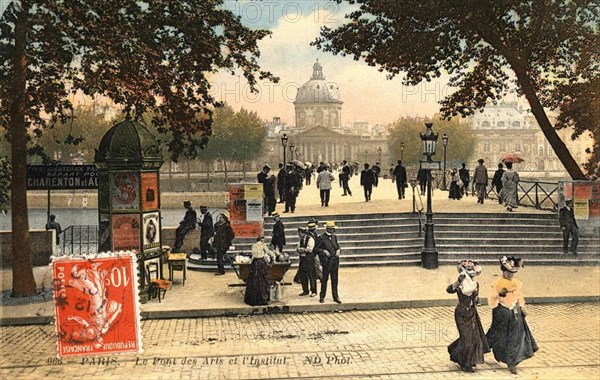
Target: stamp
<point>97,305</point>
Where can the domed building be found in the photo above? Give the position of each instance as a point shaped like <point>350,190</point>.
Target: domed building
<point>318,102</point>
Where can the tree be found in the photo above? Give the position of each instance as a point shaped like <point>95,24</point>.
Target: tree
<point>407,130</point>
<point>545,43</point>
<point>146,56</point>
<point>237,136</point>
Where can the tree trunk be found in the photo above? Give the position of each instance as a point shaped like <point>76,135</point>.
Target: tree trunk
<point>555,142</point>
<point>23,281</point>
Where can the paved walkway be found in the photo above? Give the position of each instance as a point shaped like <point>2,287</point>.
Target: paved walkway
<point>360,288</point>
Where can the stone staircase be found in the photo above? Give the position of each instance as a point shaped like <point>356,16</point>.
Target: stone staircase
<point>393,239</point>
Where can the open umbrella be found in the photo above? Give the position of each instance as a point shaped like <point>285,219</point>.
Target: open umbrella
<point>298,163</point>
<point>511,157</point>
<point>308,164</point>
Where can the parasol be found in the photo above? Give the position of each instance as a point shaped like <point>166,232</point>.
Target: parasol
<point>299,164</point>
<point>511,157</point>
<point>308,164</point>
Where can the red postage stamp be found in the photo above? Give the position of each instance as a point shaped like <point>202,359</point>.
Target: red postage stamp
<point>97,305</point>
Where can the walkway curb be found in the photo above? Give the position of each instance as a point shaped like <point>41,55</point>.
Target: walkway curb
<point>298,309</point>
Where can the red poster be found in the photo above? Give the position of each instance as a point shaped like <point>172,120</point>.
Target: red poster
<point>149,191</point>
<point>125,191</point>
<point>96,305</point>
<point>126,232</point>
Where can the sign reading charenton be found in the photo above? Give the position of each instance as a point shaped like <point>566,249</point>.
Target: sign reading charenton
<point>61,177</point>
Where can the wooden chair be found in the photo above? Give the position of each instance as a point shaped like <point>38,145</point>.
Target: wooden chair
<point>156,286</point>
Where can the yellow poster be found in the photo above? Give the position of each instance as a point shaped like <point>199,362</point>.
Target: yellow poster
<point>254,191</point>
<point>581,208</point>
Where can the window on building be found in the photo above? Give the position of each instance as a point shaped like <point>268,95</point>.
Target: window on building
<point>486,147</point>
<point>485,124</point>
<point>518,146</point>
<point>500,124</point>
<point>541,151</point>
<point>516,124</point>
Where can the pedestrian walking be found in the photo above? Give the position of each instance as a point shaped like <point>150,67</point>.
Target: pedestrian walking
<point>509,336</point>
<point>510,181</point>
<point>376,171</point>
<point>308,172</point>
<point>324,180</point>
<point>222,241</point>
<point>345,177</point>
<point>329,251</point>
<point>367,179</point>
<point>278,236</point>
<point>465,178</point>
<point>268,182</point>
<point>54,225</point>
<point>185,226</point>
<point>400,178</point>
<point>422,178</point>
<point>468,350</point>
<point>258,288</point>
<point>569,227</point>
<point>307,273</point>
<point>281,183</point>
<point>207,231</point>
<point>292,188</point>
<point>455,183</point>
<point>497,181</point>
<point>480,178</point>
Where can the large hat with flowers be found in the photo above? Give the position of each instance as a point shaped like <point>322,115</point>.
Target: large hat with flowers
<point>472,268</point>
<point>511,264</point>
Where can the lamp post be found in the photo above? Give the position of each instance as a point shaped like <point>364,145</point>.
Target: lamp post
<point>292,151</point>
<point>402,151</point>
<point>429,254</point>
<point>379,154</point>
<point>445,142</point>
<point>284,141</point>
<point>413,184</point>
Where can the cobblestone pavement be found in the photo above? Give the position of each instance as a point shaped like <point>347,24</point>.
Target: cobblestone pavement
<point>382,344</point>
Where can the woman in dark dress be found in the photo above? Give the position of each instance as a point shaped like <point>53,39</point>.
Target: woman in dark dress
<point>454,192</point>
<point>509,336</point>
<point>471,345</point>
<point>258,286</point>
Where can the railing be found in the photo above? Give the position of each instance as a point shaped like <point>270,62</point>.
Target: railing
<point>541,195</point>
<point>79,239</point>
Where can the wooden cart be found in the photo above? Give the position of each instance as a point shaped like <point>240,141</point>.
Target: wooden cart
<point>276,271</point>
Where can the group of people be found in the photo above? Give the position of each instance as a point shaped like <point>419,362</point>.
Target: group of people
<point>509,336</point>
<point>214,239</point>
<point>319,259</point>
<point>288,183</point>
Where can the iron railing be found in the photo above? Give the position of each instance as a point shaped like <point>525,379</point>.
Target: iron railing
<point>537,194</point>
<point>79,239</point>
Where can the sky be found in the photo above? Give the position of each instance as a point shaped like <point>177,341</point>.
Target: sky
<point>367,94</point>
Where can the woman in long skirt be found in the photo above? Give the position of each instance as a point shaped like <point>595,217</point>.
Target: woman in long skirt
<point>454,192</point>
<point>509,335</point>
<point>472,344</point>
<point>510,180</point>
<point>257,285</point>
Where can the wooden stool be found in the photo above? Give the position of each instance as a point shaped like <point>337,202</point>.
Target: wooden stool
<point>177,261</point>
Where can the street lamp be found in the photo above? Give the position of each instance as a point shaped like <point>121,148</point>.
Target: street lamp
<point>445,142</point>
<point>379,152</point>
<point>402,151</point>
<point>284,141</point>
<point>297,153</point>
<point>292,151</point>
<point>429,254</point>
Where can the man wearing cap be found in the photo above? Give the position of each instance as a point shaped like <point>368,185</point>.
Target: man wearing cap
<point>569,228</point>
<point>207,231</point>
<point>278,236</point>
<point>186,225</point>
<point>222,241</point>
<point>480,178</point>
<point>328,249</point>
<point>400,178</point>
<point>345,176</point>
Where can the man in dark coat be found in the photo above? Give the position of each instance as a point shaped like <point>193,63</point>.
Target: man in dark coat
<point>329,251</point>
<point>281,183</point>
<point>207,231</point>
<point>569,227</point>
<point>497,181</point>
<point>268,183</point>
<point>278,236</point>
<point>400,178</point>
<point>422,178</point>
<point>186,225</point>
<point>376,171</point>
<point>345,177</point>
<point>54,225</point>
<point>480,178</point>
<point>292,189</point>
<point>367,179</point>
<point>222,241</point>
<point>463,174</point>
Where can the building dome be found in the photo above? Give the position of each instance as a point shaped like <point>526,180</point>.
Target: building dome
<point>128,144</point>
<point>317,89</point>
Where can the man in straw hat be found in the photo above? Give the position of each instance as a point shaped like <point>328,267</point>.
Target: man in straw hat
<point>328,249</point>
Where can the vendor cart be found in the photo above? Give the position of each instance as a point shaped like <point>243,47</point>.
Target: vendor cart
<point>276,271</point>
